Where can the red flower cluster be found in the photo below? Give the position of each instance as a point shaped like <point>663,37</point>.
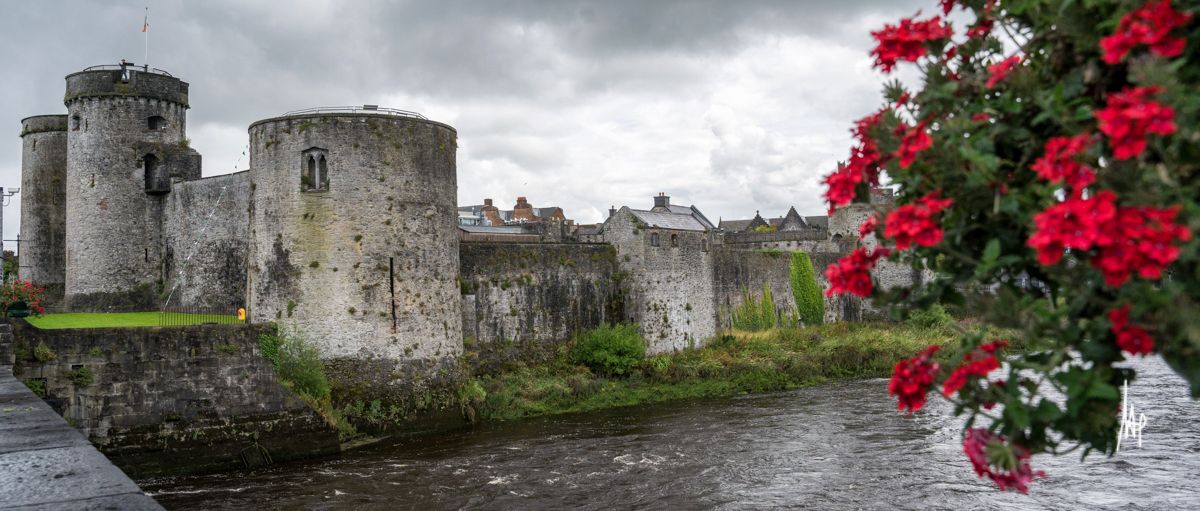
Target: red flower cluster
<point>1000,70</point>
<point>1151,25</point>
<point>914,141</point>
<point>1143,241</point>
<point>1130,115</point>
<point>1058,163</point>
<point>977,363</point>
<point>914,223</point>
<point>912,378</point>
<point>906,41</point>
<point>975,446</point>
<point>22,291</point>
<point>852,274</point>
<point>868,226</point>
<point>1131,338</point>
<point>864,164</point>
<point>1075,223</point>
<point>840,186</point>
<point>1129,239</point>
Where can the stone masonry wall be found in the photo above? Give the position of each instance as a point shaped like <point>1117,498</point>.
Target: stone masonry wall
<point>523,300</point>
<point>670,285</point>
<point>206,226</point>
<point>43,202</point>
<point>171,400</point>
<point>736,272</point>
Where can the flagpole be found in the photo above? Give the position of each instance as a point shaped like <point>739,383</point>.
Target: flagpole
<point>146,30</point>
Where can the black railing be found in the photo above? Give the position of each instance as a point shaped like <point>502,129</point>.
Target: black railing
<point>364,109</point>
<point>131,67</point>
<point>185,316</point>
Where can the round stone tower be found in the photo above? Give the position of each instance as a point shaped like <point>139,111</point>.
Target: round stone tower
<point>354,243</point>
<point>126,144</point>
<point>43,206</point>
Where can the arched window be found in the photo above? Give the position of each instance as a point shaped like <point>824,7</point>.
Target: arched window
<point>654,239</point>
<point>314,172</point>
<point>156,123</point>
<point>674,240</point>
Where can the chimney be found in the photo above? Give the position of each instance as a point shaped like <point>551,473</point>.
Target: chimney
<point>662,202</point>
<point>487,202</point>
<point>522,202</point>
<point>612,210</point>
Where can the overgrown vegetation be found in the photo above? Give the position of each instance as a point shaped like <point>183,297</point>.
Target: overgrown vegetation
<point>610,350</point>
<point>43,353</point>
<point>731,364</point>
<point>810,304</point>
<point>755,313</point>
<point>81,377</point>
<point>298,367</point>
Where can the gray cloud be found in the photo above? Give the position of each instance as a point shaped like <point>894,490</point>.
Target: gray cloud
<point>733,106</point>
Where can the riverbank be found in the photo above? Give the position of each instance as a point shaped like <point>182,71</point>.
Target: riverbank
<point>731,364</point>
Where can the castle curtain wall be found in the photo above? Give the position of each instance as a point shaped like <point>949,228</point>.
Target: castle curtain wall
<point>206,229</point>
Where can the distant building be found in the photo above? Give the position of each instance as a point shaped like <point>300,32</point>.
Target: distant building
<point>487,214</point>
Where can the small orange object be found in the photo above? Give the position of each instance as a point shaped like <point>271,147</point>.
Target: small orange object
<point>241,314</point>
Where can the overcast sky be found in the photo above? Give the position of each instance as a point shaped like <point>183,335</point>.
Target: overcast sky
<point>731,106</point>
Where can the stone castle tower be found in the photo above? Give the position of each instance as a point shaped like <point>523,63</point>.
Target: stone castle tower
<point>126,143</point>
<point>43,202</point>
<point>353,236</point>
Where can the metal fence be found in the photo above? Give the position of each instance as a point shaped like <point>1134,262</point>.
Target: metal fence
<point>184,316</point>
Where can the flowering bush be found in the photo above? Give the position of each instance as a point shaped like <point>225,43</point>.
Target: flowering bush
<point>20,291</point>
<point>1048,171</point>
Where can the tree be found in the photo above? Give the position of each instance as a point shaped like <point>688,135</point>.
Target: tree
<point>1047,173</point>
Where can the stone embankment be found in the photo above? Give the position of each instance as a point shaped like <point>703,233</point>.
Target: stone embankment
<point>47,464</point>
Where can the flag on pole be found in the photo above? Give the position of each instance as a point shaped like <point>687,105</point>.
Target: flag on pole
<point>146,21</point>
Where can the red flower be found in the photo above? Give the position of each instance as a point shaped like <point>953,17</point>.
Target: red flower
<point>840,186</point>
<point>1075,223</point>
<point>914,141</point>
<point>863,165</point>
<point>981,117</point>
<point>1058,164</point>
<point>914,223</point>
<point>868,226</point>
<point>975,364</point>
<point>1131,338</point>
<point>852,274</point>
<point>976,444</point>
<point>1144,241</point>
<point>947,5</point>
<point>912,378</point>
<point>1130,115</point>
<point>1150,25</point>
<point>1000,70</point>
<point>982,28</point>
<point>906,41</point>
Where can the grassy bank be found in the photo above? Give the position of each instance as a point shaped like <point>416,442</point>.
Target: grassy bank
<point>734,363</point>
<point>125,319</point>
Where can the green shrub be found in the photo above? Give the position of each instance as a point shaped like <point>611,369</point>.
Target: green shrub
<point>301,369</point>
<point>37,386</point>
<point>611,350</point>
<point>810,305</point>
<point>933,317</point>
<point>755,313</point>
<point>269,344</point>
<point>81,377</point>
<point>43,353</point>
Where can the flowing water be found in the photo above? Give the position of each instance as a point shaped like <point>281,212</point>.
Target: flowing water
<point>836,446</point>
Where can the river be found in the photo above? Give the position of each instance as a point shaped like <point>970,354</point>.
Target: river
<point>836,446</point>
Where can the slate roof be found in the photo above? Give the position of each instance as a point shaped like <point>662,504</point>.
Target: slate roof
<point>821,222</point>
<point>664,220</point>
<point>589,230</point>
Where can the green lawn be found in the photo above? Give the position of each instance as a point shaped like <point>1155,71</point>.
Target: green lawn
<point>125,319</point>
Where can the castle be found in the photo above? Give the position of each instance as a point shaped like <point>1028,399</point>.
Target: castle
<point>345,227</point>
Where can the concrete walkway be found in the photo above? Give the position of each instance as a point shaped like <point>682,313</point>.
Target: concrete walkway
<point>47,464</point>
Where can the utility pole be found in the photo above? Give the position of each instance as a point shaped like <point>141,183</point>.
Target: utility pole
<point>5,195</point>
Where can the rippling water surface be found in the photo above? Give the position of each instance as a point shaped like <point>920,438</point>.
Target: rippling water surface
<point>837,446</point>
